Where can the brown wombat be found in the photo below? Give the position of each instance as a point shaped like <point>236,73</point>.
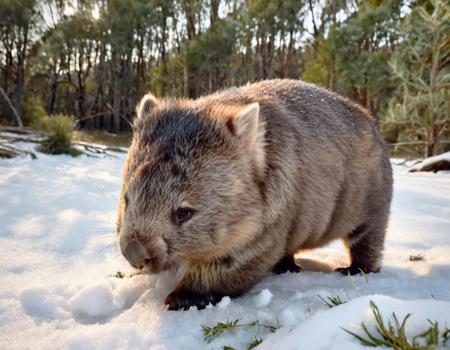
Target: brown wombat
<point>233,184</point>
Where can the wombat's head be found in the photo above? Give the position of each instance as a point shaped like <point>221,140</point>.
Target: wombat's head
<point>192,183</point>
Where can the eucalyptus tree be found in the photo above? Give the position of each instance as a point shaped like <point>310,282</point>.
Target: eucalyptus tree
<point>421,66</point>
<point>362,46</point>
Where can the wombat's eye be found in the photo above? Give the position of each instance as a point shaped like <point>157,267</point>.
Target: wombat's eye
<point>126,199</point>
<point>183,215</point>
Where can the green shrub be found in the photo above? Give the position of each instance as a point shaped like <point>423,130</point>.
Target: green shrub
<point>405,140</point>
<point>33,110</point>
<point>59,129</point>
<point>391,131</point>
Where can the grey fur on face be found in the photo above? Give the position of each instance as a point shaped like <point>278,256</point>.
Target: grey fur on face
<point>231,185</point>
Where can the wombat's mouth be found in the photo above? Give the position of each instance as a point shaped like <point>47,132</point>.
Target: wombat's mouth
<point>151,270</point>
<point>156,267</point>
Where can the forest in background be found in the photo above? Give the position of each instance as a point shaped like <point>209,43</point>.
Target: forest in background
<point>92,60</point>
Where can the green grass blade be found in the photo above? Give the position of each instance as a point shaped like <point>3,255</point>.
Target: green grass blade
<point>363,340</point>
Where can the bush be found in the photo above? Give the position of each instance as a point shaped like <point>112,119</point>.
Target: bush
<point>33,110</point>
<point>59,129</point>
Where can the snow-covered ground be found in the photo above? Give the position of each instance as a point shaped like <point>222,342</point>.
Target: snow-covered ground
<point>58,259</point>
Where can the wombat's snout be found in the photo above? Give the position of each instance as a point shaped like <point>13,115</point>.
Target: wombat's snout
<point>137,255</point>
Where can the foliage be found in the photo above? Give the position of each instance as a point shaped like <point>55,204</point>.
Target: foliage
<point>393,335</point>
<point>59,129</point>
<point>33,110</point>
<point>362,48</point>
<point>416,257</point>
<point>102,137</point>
<point>163,78</point>
<point>209,56</point>
<point>119,274</point>
<point>211,333</point>
<point>95,59</point>
<point>332,301</point>
<point>421,66</point>
<point>319,69</point>
<point>254,343</point>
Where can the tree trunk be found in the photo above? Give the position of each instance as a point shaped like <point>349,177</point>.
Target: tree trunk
<point>432,140</point>
<point>8,101</point>
<point>190,20</point>
<point>81,99</point>
<point>116,110</point>
<point>20,82</point>
<point>54,88</point>
<point>214,14</point>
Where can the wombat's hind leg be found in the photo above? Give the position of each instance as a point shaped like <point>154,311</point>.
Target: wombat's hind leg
<point>365,245</point>
<point>287,263</point>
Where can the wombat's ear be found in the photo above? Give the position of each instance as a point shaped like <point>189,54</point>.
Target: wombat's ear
<point>246,125</point>
<point>146,105</point>
<point>245,122</point>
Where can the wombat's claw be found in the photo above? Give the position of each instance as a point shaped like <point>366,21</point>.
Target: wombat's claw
<point>286,264</point>
<point>352,270</point>
<point>183,300</point>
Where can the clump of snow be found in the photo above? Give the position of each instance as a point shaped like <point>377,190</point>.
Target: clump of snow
<point>96,300</point>
<point>59,256</point>
<point>224,303</point>
<point>263,298</point>
<point>287,318</point>
<point>128,292</point>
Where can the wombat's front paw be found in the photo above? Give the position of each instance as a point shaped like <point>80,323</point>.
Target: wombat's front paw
<point>183,300</point>
<point>286,264</point>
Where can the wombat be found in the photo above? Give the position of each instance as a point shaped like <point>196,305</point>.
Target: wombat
<point>231,185</point>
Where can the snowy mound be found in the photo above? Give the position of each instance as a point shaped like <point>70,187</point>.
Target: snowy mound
<point>436,163</point>
<point>324,329</point>
<point>60,287</point>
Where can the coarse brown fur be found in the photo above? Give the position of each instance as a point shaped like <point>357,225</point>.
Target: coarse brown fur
<point>266,170</point>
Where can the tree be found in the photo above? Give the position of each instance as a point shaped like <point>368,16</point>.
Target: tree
<point>362,46</point>
<point>94,59</point>
<point>17,22</point>
<point>421,65</point>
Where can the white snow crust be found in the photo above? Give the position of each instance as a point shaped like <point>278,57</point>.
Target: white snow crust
<point>431,160</point>
<point>59,257</point>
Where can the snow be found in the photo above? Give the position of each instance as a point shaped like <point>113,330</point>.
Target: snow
<point>323,329</point>
<point>287,318</point>
<point>93,301</point>
<point>60,258</point>
<point>224,303</point>
<point>263,298</point>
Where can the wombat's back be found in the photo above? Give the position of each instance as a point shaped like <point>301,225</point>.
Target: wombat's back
<point>325,158</point>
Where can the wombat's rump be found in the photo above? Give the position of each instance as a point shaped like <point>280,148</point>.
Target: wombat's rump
<point>233,184</point>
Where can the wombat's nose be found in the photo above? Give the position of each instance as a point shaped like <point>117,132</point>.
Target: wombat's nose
<point>136,254</point>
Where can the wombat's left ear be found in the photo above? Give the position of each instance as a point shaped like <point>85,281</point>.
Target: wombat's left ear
<point>245,122</point>
<point>146,105</point>
<point>246,125</point>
